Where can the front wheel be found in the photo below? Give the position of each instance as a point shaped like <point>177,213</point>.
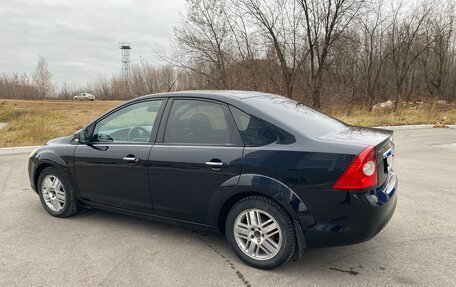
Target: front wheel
<point>260,232</point>
<point>56,193</point>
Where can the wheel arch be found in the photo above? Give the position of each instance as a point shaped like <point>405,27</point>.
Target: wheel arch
<point>229,203</point>
<point>272,189</point>
<point>254,184</point>
<point>44,160</point>
<point>39,169</point>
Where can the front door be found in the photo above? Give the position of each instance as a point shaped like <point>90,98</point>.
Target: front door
<point>198,150</point>
<point>112,169</point>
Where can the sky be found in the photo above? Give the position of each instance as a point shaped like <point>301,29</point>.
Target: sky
<point>79,39</point>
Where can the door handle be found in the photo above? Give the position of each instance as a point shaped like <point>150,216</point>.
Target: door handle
<point>214,163</point>
<point>130,158</point>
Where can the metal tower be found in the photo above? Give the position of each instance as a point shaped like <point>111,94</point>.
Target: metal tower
<point>125,53</point>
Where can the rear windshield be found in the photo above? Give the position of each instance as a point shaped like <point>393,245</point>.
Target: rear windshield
<point>296,115</point>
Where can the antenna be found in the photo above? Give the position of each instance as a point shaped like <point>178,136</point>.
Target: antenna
<point>177,78</point>
<point>125,53</point>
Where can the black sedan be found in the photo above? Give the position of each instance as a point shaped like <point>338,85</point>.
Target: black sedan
<point>272,174</point>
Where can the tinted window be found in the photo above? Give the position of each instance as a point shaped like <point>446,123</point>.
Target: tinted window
<point>296,115</point>
<point>254,132</point>
<point>133,123</point>
<point>198,122</point>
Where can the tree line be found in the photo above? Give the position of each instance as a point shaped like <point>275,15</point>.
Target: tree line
<point>332,52</point>
<point>38,86</point>
<point>318,52</point>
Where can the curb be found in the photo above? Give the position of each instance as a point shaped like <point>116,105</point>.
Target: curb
<point>412,127</point>
<point>17,150</point>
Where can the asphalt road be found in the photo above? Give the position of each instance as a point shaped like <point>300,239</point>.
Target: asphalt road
<point>417,247</point>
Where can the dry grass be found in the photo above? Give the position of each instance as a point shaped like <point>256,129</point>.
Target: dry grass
<point>35,122</point>
<point>425,114</point>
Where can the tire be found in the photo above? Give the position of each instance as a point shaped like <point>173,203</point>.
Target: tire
<point>260,232</point>
<point>57,199</point>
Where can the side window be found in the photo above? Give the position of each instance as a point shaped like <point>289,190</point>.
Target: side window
<point>132,124</point>
<point>198,122</point>
<point>254,132</point>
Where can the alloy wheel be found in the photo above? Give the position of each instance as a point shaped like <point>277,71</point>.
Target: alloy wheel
<point>257,234</point>
<point>53,193</point>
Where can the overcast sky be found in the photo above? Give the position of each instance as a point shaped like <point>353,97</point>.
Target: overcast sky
<point>79,38</point>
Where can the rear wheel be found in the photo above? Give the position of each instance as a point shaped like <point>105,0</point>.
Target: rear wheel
<point>260,232</point>
<point>56,193</point>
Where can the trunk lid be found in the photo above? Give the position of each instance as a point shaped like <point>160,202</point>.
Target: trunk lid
<point>381,139</point>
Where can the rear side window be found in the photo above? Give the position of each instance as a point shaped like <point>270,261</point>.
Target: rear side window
<point>254,132</point>
<point>199,122</point>
<point>305,120</point>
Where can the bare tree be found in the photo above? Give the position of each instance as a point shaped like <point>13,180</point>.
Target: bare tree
<point>16,87</point>
<point>325,22</point>
<point>373,29</point>
<point>436,61</point>
<point>249,69</point>
<point>280,21</point>
<point>201,39</point>
<point>404,37</point>
<point>42,79</point>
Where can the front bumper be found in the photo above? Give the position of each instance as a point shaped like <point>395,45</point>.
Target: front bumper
<point>31,172</point>
<point>352,218</point>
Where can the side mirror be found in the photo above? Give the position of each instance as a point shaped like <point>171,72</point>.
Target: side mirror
<point>82,137</point>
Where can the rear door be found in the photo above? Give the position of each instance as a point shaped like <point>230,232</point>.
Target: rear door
<point>198,149</point>
<point>113,168</point>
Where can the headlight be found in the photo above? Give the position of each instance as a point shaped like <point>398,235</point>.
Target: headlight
<point>33,152</point>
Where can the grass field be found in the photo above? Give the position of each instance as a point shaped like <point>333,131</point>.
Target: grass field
<point>35,122</point>
<point>425,114</point>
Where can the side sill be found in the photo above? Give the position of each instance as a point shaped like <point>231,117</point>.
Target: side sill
<point>153,217</point>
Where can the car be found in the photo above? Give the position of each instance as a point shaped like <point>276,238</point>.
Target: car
<point>273,175</point>
<point>84,97</point>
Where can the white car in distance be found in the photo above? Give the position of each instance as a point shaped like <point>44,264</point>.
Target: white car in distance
<point>84,97</point>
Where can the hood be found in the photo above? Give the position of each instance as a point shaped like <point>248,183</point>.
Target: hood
<point>61,140</point>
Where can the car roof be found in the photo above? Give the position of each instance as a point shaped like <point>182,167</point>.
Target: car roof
<point>222,95</point>
<point>249,101</point>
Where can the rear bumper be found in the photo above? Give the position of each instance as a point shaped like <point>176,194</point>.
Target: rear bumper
<point>355,218</point>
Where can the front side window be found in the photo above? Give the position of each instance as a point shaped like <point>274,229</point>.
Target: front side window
<point>198,122</point>
<point>131,124</point>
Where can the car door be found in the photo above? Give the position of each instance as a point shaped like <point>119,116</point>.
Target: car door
<point>197,150</point>
<point>112,169</point>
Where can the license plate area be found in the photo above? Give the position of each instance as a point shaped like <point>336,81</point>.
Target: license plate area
<point>388,160</point>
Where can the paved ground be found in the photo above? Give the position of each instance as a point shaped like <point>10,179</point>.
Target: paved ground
<point>418,247</point>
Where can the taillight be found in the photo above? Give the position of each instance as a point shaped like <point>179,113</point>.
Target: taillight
<point>362,172</point>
